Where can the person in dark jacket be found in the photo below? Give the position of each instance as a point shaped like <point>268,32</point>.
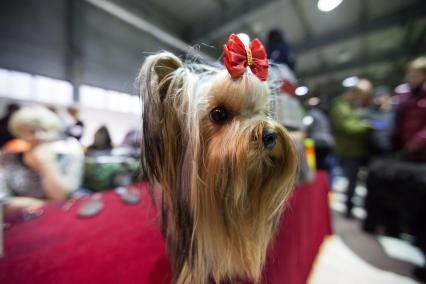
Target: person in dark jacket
<point>319,130</point>
<point>5,134</point>
<point>279,50</point>
<point>76,129</point>
<point>381,115</point>
<point>102,143</point>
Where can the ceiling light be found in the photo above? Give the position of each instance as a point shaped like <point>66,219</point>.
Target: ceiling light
<point>350,81</point>
<point>302,90</point>
<point>328,5</point>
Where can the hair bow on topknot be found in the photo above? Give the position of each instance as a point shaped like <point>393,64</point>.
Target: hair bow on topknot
<point>238,57</point>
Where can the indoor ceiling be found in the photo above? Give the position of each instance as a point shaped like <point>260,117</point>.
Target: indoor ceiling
<point>359,37</point>
<point>102,42</point>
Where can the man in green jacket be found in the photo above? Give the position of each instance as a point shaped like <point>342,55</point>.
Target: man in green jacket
<point>350,133</point>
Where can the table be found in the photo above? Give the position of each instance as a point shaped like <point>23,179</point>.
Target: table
<point>123,244</point>
<point>304,225</point>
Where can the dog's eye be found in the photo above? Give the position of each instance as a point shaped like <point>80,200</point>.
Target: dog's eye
<point>219,115</point>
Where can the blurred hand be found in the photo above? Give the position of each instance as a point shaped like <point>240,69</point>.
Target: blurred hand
<point>40,156</point>
<point>27,203</point>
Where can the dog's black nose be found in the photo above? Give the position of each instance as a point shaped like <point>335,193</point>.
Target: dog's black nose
<point>269,138</point>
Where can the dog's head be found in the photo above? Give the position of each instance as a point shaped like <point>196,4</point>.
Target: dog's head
<point>225,167</point>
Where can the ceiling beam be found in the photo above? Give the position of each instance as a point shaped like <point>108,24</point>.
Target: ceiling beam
<point>230,20</point>
<point>152,12</point>
<point>307,28</point>
<point>393,56</point>
<point>72,38</point>
<point>400,17</point>
<point>234,18</point>
<point>302,18</point>
<point>145,26</point>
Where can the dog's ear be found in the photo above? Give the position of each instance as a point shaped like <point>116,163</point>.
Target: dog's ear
<point>165,63</point>
<point>156,80</point>
<point>161,67</point>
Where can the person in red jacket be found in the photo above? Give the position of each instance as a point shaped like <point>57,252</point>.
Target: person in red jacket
<point>411,114</point>
<point>410,132</point>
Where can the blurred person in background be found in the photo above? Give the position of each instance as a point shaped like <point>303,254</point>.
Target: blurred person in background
<point>410,130</point>
<point>51,169</point>
<point>319,129</point>
<point>131,143</point>
<point>410,121</point>
<point>132,139</point>
<point>381,115</point>
<point>289,112</point>
<point>5,134</point>
<point>279,50</point>
<point>76,128</point>
<point>102,143</point>
<point>350,133</point>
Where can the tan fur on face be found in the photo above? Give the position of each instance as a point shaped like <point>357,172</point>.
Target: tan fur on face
<point>222,190</point>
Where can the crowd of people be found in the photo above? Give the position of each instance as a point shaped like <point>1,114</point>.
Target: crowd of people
<point>366,129</point>
<point>385,134</point>
<point>42,159</point>
<point>366,122</point>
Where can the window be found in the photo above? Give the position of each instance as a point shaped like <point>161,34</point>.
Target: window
<point>93,97</point>
<point>53,91</point>
<point>16,85</point>
<point>109,100</point>
<point>24,86</point>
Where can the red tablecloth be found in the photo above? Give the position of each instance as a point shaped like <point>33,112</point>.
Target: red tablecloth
<point>123,244</point>
<point>304,225</point>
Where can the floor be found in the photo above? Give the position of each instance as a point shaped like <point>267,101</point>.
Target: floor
<point>338,264</point>
<point>367,246</point>
<point>370,248</point>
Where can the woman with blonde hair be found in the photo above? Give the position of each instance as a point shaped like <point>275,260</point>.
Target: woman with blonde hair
<point>50,170</point>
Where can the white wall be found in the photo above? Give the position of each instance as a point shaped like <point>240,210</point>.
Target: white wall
<point>117,123</point>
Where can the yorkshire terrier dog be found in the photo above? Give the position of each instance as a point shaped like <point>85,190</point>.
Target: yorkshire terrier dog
<point>218,164</point>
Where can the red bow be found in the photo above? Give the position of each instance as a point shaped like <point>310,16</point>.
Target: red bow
<point>238,57</point>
